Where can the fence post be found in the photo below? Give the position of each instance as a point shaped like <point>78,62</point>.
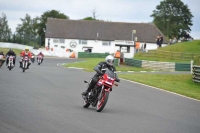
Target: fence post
<point>191,66</point>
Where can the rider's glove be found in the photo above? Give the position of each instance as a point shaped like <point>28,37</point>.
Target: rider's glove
<point>100,74</point>
<point>117,80</point>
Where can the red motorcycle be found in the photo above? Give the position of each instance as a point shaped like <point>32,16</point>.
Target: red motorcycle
<point>98,96</point>
<point>10,62</point>
<point>39,59</point>
<point>25,62</point>
<point>2,59</point>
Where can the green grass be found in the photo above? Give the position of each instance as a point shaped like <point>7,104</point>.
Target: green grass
<point>178,83</point>
<point>183,47</point>
<point>89,63</point>
<point>5,50</point>
<point>186,47</point>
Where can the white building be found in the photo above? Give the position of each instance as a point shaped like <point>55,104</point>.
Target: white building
<point>99,36</point>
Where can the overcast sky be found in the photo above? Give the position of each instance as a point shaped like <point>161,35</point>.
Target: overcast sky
<point>134,11</point>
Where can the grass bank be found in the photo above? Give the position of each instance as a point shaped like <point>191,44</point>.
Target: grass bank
<point>192,47</point>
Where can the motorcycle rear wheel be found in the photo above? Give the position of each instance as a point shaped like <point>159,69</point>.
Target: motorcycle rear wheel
<point>102,102</point>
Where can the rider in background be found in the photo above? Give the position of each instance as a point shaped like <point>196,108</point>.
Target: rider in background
<point>109,60</point>
<point>2,57</point>
<point>40,54</point>
<point>9,53</point>
<point>24,53</point>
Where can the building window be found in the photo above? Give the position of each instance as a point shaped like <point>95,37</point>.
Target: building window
<point>106,43</point>
<point>125,49</point>
<point>58,40</point>
<point>82,41</point>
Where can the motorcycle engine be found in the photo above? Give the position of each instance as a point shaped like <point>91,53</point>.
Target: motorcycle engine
<point>90,96</point>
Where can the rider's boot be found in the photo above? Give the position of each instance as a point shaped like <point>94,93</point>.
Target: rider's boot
<point>85,92</point>
<point>28,65</point>
<point>88,90</point>
<point>20,64</point>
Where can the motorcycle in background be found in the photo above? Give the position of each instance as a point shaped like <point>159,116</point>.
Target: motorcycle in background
<point>25,62</point>
<point>32,58</point>
<point>10,62</point>
<point>98,96</point>
<point>39,59</point>
<point>2,59</point>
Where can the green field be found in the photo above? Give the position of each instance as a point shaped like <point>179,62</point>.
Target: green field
<point>177,83</point>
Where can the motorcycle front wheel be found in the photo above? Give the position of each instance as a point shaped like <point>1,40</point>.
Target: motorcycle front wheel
<point>10,66</point>
<point>85,104</point>
<point>24,66</point>
<point>102,101</point>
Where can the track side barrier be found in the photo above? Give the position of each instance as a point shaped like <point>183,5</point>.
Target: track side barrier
<point>196,74</point>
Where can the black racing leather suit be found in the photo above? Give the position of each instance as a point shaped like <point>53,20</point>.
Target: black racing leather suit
<point>98,68</point>
<point>9,54</point>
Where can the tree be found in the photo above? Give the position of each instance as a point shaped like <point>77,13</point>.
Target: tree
<point>43,20</point>
<point>5,31</point>
<point>172,17</point>
<point>26,32</point>
<point>89,18</point>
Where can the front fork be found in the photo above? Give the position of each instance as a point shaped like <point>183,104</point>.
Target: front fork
<point>102,88</point>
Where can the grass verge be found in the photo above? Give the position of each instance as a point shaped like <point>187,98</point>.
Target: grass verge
<point>178,83</point>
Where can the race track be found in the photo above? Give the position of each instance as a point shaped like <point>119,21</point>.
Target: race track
<point>47,99</point>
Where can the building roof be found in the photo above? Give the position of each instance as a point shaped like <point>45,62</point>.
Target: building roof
<point>101,30</point>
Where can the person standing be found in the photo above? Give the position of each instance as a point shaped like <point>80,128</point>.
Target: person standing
<point>160,41</point>
<point>157,41</point>
<point>145,45</point>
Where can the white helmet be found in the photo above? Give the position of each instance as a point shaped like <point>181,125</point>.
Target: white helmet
<point>110,60</point>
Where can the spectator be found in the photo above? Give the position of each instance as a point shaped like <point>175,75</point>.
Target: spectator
<point>137,46</point>
<point>174,40</point>
<point>157,41</point>
<point>117,54</point>
<point>160,41</point>
<point>170,41</point>
<point>145,45</point>
<point>187,36</point>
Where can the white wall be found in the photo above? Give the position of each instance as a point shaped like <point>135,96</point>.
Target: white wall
<point>97,46</point>
<point>58,53</point>
<point>14,45</point>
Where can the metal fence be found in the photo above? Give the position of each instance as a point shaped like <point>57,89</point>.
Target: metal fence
<point>196,74</point>
<point>169,55</point>
<point>91,55</point>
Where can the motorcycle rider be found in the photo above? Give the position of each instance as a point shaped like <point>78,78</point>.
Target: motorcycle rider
<point>9,53</point>
<point>2,57</point>
<point>109,60</point>
<point>26,52</point>
<point>40,54</point>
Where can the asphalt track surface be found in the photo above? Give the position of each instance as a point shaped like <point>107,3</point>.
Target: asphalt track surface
<point>47,99</point>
